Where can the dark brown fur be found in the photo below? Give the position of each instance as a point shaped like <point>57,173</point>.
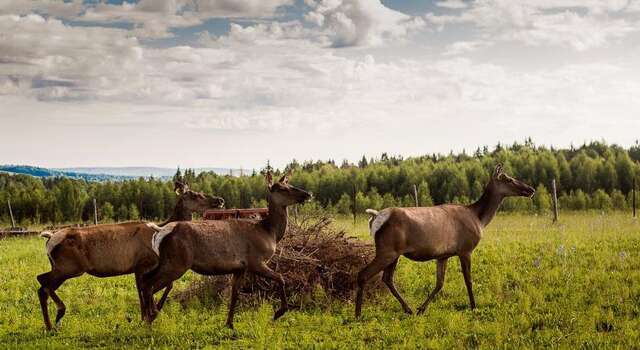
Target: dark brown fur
<point>225,247</point>
<point>439,232</point>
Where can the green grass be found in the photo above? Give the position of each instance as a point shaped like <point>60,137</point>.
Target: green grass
<point>537,285</point>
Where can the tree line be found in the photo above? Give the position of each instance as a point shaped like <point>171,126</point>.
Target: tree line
<point>593,176</point>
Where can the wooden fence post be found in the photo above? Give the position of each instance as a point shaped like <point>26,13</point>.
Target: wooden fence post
<point>13,221</point>
<point>415,194</point>
<point>554,200</point>
<point>95,212</point>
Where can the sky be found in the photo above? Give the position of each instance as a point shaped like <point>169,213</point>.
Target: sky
<point>234,83</point>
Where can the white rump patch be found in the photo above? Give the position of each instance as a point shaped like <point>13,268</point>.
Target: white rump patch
<point>53,240</point>
<point>154,226</point>
<point>160,235</point>
<point>378,221</point>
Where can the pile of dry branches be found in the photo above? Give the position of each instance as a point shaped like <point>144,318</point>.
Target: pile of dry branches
<point>313,257</point>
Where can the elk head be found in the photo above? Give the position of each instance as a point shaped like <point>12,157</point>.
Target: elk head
<point>507,186</point>
<point>283,194</point>
<point>196,201</point>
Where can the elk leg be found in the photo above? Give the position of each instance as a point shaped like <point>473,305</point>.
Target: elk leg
<point>441,268</point>
<point>377,265</point>
<point>235,286</point>
<point>264,271</point>
<point>151,284</point>
<point>49,283</point>
<point>43,296</point>
<point>164,296</point>
<point>140,297</point>
<point>387,278</point>
<point>465,262</point>
<point>61,307</point>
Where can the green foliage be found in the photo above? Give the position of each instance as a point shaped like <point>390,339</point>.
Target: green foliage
<point>542,200</point>
<point>134,213</point>
<point>601,200</point>
<point>122,213</point>
<point>344,205</point>
<point>618,201</point>
<point>387,181</point>
<point>106,212</point>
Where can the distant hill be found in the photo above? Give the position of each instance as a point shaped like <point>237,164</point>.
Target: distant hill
<point>44,172</point>
<point>108,173</point>
<point>146,171</point>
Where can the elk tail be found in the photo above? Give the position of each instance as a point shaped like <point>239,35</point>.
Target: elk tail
<point>376,220</point>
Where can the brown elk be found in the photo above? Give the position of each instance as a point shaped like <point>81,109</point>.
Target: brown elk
<point>107,250</point>
<point>439,232</point>
<point>224,247</point>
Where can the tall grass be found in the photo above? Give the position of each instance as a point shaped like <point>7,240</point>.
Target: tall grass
<point>571,284</point>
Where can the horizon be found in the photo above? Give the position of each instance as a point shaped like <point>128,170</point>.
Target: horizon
<point>491,148</point>
<point>191,83</point>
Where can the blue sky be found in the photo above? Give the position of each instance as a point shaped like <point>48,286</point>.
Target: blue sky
<point>233,83</point>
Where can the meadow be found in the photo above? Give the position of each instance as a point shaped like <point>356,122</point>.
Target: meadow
<point>572,284</point>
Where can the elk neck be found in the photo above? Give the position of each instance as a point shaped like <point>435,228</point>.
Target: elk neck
<point>180,213</point>
<point>276,221</point>
<point>486,207</point>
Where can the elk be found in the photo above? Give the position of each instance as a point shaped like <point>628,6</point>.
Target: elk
<point>438,232</point>
<point>222,247</point>
<point>107,250</point>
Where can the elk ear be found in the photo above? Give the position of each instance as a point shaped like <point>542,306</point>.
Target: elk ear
<point>269,179</point>
<point>498,171</point>
<point>285,178</point>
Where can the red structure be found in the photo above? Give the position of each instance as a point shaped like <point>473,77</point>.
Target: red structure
<point>223,214</point>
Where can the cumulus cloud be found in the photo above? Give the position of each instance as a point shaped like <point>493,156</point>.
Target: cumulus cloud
<point>329,73</point>
<point>580,25</point>
<point>71,62</point>
<point>361,22</point>
<point>54,8</point>
<point>150,18</point>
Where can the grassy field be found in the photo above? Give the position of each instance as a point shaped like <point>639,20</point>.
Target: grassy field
<point>568,285</point>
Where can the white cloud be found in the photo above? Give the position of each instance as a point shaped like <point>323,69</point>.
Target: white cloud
<point>72,62</point>
<point>361,22</point>
<point>581,25</point>
<point>54,8</point>
<point>266,78</point>
<point>463,47</point>
<point>262,33</point>
<point>151,18</point>
<point>452,4</point>
<point>243,8</point>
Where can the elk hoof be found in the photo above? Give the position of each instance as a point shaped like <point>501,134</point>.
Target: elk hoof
<point>279,313</point>
<point>229,325</point>
<point>421,310</point>
<point>408,311</point>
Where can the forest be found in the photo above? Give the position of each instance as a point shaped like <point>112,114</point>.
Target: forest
<point>595,176</point>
